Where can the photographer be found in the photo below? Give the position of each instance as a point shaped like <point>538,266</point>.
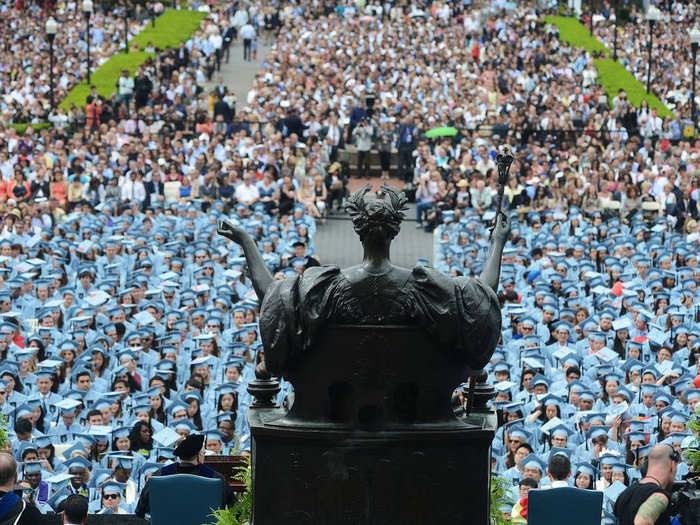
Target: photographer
<point>363,140</point>
<point>646,502</point>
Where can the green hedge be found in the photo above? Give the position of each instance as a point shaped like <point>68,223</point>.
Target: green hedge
<point>576,34</point>
<point>611,74</point>
<point>21,127</point>
<point>105,78</point>
<point>172,27</point>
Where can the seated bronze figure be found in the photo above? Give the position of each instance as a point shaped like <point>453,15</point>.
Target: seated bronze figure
<point>462,314</point>
<point>374,353</point>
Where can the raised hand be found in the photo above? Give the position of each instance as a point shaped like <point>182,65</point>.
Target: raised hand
<point>229,230</point>
<point>260,275</point>
<point>502,229</point>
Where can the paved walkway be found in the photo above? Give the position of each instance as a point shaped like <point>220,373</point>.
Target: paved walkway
<point>335,241</point>
<point>238,75</point>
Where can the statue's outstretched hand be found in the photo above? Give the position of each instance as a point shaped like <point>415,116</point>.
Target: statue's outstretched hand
<point>502,228</point>
<point>230,231</point>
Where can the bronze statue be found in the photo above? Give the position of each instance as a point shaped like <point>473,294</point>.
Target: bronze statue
<point>374,352</point>
<point>462,313</point>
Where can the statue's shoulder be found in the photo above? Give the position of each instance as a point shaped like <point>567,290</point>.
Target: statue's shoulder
<point>427,274</point>
<point>319,272</point>
<point>318,275</point>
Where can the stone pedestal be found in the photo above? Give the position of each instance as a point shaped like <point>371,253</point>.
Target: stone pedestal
<point>371,438</point>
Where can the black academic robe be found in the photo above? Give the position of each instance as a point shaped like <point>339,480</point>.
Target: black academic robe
<point>15,511</point>
<point>227,495</point>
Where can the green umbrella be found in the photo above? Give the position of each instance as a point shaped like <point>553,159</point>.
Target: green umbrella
<point>445,131</point>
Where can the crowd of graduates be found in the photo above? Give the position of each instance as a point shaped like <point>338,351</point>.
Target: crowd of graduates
<point>598,356</point>
<point>127,323</point>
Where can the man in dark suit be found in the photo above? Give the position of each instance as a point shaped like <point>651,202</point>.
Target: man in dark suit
<point>228,37</point>
<point>686,207</point>
<point>223,109</point>
<point>182,56</point>
<point>406,145</point>
<point>188,452</point>
<point>293,124</point>
<point>142,88</point>
<point>154,189</point>
<point>221,90</point>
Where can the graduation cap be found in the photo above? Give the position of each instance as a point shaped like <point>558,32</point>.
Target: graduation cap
<point>676,438</point>
<point>189,446</point>
<point>503,387</point>
<point>125,462</point>
<point>596,431</point>
<point>23,410</point>
<point>609,459</point>
<point>57,498</point>
<point>637,435</point>
<point>184,424</point>
<point>533,461</point>
<point>501,366</point>
<point>223,416</point>
<point>519,432</point>
<point>586,468</point>
<point>665,397</point>
<point>206,360</point>
<point>214,435</point>
<point>59,480</point>
<point>677,417</point>
<point>111,486</point>
<point>560,451</point>
<point>539,379</point>
<point>551,399</point>
<point>561,429</point>
<point>167,437</point>
<point>77,463</point>
<point>514,407</point>
<point>614,491</point>
<point>43,441</point>
<point>67,405</point>
<point>31,467</point>
<point>632,365</point>
<point>692,393</point>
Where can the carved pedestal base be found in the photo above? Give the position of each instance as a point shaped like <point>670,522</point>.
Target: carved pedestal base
<point>371,438</point>
<point>335,478</point>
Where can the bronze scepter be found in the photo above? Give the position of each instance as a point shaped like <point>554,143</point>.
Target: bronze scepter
<point>503,160</point>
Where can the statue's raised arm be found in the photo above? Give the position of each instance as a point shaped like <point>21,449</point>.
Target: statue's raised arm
<point>260,275</point>
<point>492,267</point>
<point>501,227</point>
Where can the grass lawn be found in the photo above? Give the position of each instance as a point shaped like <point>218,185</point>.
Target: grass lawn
<point>105,77</point>
<point>611,74</point>
<point>171,28</point>
<point>576,34</point>
<point>21,127</point>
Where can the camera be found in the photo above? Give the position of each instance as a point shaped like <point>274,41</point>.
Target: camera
<point>685,501</point>
<point>369,102</point>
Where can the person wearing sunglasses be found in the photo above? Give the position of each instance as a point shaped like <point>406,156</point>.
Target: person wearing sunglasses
<point>112,498</point>
<point>646,502</point>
